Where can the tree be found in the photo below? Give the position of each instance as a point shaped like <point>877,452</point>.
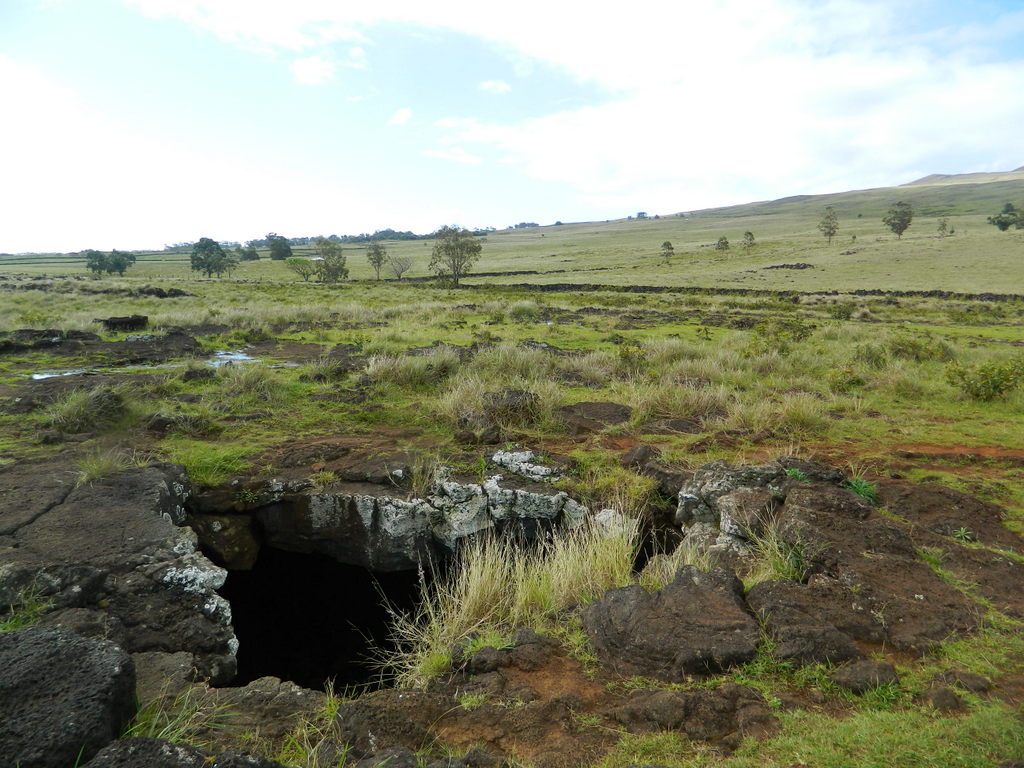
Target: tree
<point>898,218</point>
<point>943,227</point>
<point>399,265</point>
<point>248,252</point>
<point>455,252</point>
<point>722,244</point>
<point>279,247</point>
<point>667,252</point>
<point>1008,217</point>
<point>209,257</point>
<point>304,268</point>
<point>829,224</point>
<point>95,261</point>
<point>748,239</point>
<point>119,261</point>
<point>332,267</point>
<point>377,255</point>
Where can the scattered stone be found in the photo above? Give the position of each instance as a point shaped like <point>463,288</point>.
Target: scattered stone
<point>729,712</point>
<point>863,676</point>
<point>944,699</point>
<point>586,418</point>
<point>128,323</point>
<point>639,456</point>
<point>968,681</point>
<point>198,374</point>
<point>672,427</point>
<point>62,696</point>
<point>697,624</point>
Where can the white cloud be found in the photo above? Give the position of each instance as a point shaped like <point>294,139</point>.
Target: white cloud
<point>75,177</point>
<point>454,155</point>
<point>313,70</point>
<point>495,86</point>
<point>708,103</point>
<point>400,117</point>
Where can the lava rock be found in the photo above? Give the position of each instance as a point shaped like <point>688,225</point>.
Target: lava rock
<point>863,676</point>
<point>62,696</point>
<point>585,418</point>
<point>147,753</point>
<point>697,624</point>
<point>800,620</point>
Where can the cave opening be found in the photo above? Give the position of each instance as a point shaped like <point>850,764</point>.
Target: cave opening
<point>312,620</point>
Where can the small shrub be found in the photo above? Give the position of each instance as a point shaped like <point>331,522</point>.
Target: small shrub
<point>777,334</point>
<point>986,381</point>
<point>413,371</point>
<point>842,380</point>
<point>662,568</point>
<point>842,311</point>
<point>797,474</point>
<point>919,347</point>
<point>323,479</point>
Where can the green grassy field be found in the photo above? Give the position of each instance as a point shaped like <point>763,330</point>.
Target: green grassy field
<point>864,255</point>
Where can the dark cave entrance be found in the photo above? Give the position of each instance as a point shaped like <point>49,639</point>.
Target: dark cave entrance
<point>310,619</point>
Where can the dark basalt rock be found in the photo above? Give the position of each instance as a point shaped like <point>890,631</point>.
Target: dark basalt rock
<point>863,676</point>
<point>61,696</point>
<point>698,624</point>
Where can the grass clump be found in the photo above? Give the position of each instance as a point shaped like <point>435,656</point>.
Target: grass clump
<point>185,719</point>
<point>777,559</point>
<point>27,607</point>
<point>85,409</point>
<point>498,584</point>
<point>413,371</point>
<point>101,463</point>
<point>863,488</point>
<point>663,567</point>
<point>250,382</point>
<point>207,464</point>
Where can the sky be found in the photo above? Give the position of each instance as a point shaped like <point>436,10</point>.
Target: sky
<point>135,124</point>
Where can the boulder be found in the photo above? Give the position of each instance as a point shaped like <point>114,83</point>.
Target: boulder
<point>727,713</point>
<point>801,619</point>
<point>62,696</point>
<point>697,624</point>
<point>127,323</point>
<point>863,676</point>
<point>112,558</point>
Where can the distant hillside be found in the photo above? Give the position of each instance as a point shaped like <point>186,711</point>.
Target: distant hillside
<point>935,195</point>
<point>937,179</point>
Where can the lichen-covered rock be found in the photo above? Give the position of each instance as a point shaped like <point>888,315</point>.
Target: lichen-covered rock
<point>61,696</point>
<point>113,559</point>
<point>523,463</point>
<point>369,526</point>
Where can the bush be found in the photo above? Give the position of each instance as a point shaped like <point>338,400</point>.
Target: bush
<point>986,381</point>
<point>919,348</point>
